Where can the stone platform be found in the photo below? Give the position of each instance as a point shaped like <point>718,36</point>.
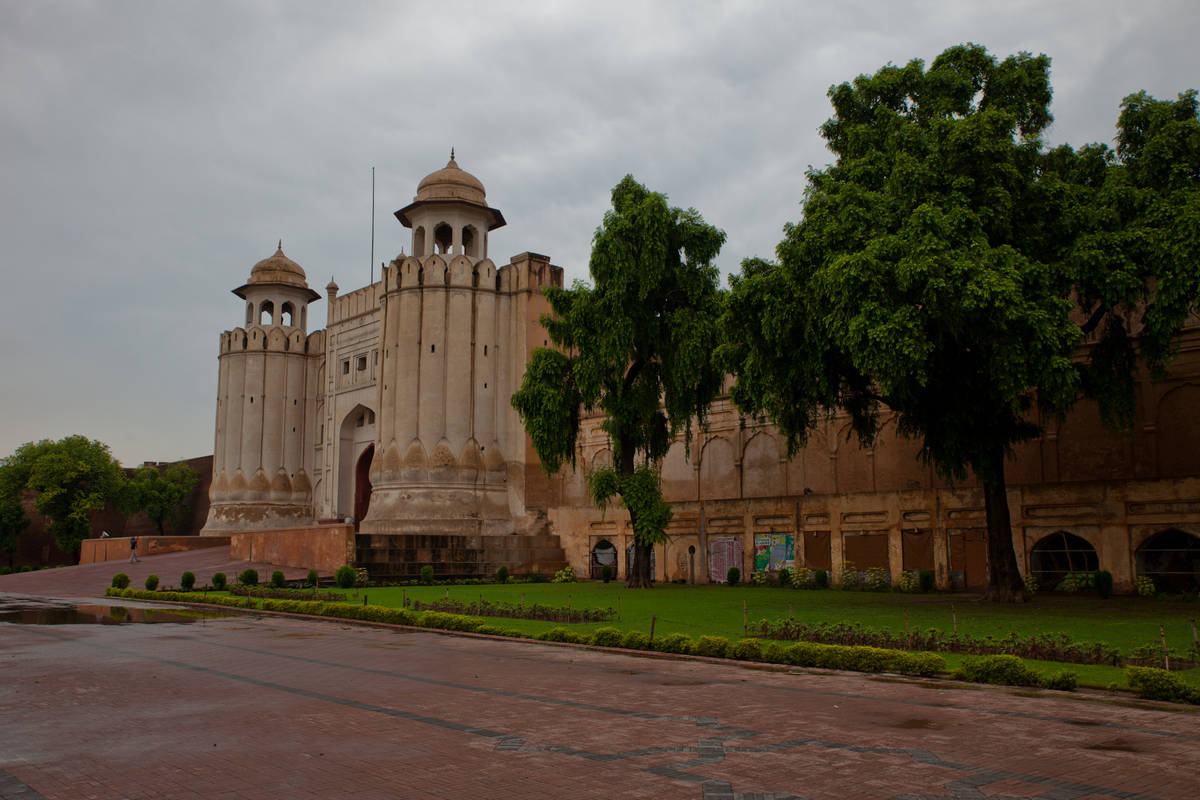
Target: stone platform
<point>401,556</point>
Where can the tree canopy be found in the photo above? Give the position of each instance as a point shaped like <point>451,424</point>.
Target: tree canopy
<point>941,263</point>
<point>638,346</point>
<point>162,494</point>
<point>73,477</point>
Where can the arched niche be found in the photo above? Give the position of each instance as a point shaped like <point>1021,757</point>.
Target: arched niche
<point>1178,426</point>
<point>762,470</point>
<point>604,554</point>
<point>718,474</point>
<point>1171,558</point>
<point>419,242</point>
<point>678,476</point>
<point>1055,556</point>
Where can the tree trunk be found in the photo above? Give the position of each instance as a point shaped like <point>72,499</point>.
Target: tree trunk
<point>1004,575</point>
<point>637,574</point>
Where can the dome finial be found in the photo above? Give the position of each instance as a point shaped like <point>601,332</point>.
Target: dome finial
<point>280,246</point>
<point>451,153</point>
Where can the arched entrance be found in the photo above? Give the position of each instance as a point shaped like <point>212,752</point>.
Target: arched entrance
<point>1057,555</point>
<point>362,484</point>
<point>604,554</point>
<point>356,440</point>
<point>1172,559</point>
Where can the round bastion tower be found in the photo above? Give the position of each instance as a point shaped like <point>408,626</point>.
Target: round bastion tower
<point>259,479</point>
<point>446,370</point>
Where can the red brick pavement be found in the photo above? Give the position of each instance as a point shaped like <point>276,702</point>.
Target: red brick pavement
<point>259,707</point>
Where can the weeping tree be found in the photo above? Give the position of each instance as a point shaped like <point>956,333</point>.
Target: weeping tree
<point>947,268</point>
<point>637,346</point>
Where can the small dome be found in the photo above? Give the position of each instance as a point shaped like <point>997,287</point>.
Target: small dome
<point>451,183</point>
<point>278,268</point>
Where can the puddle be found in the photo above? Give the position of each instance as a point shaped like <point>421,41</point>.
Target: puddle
<point>26,613</point>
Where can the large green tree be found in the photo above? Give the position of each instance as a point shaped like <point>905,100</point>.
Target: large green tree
<point>73,477</point>
<point>940,266</point>
<point>638,346</point>
<point>161,494</point>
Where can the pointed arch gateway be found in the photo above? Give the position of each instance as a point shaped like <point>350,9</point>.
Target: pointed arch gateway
<point>355,446</point>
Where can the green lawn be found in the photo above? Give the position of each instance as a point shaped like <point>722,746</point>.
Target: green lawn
<point>1123,622</point>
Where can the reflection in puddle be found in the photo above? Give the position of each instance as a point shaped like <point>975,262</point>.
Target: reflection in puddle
<point>27,613</point>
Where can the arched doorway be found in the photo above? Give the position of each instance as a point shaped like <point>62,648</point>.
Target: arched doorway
<point>604,554</point>
<point>356,436</point>
<point>362,484</point>
<point>1057,555</point>
<point>1172,559</point>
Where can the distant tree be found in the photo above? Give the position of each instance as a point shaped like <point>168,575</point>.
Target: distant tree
<point>638,346</point>
<point>73,477</point>
<point>941,262</point>
<point>13,521</point>
<point>162,495</point>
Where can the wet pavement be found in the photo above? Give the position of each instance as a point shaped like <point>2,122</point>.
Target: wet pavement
<point>264,707</point>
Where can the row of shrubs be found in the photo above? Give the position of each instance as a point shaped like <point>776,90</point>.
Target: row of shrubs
<point>1007,670</point>
<point>1041,646</point>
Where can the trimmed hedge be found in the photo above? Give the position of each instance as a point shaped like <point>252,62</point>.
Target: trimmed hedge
<point>1158,684</point>
<point>859,658</point>
<point>1004,670</point>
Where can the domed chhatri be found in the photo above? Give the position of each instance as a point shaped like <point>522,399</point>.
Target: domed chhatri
<point>278,268</point>
<point>450,187</point>
<point>451,183</point>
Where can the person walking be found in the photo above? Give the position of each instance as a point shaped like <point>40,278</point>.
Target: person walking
<point>133,550</point>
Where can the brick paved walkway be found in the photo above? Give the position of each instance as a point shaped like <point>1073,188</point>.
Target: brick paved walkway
<point>262,707</point>
<point>259,707</point>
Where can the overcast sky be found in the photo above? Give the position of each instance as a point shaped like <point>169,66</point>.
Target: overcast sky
<point>152,152</point>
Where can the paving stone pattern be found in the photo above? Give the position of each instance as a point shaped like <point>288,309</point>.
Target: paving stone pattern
<point>256,707</point>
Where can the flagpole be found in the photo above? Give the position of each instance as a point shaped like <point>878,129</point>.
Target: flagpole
<point>372,225</point>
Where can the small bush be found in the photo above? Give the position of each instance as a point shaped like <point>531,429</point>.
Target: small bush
<point>537,577</point>
<point>427,574</point>
<point>1104,583</point>
<point>733,576</point>
<point>822,578</point>
<point>362,578</point>
<point>636,640</point>
<point>1004,670</point>
<point>674,643</point>
<point>850,576</point>
<point>784,576</point>
<point>804,578</point>
<point>760,577</point>
<point>877,579</point>
<point>1031,583</point>
<point>606,573</point>
<point>1064,680</point>
<point>151,583</point>
<point>187,580</point>
<point>312,578</point>
<point>565,575</point>
<point>344,576</point>
<point>1158,684</point>
<point>248,577</point>
<point>120,580</point>
<point>564,635</point>
<point>909,581</point>
<point>219,581</point>
<point>712,646</point>
<point>1145,586</point>
<point>926,580</point>
<point>746,650</point>
<point>502,574</point>
<point>277,579</point>
<point>1076,581</point>
<point>608,637</point>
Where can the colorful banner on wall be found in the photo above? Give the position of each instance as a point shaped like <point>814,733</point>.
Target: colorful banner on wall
<point>774,551</point>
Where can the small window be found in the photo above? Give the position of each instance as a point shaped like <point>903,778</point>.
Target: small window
<point>361,364</point>
<point>432,347</point>
<point>370,417</point>
<point>485,349</point>
<point>346,367</point>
